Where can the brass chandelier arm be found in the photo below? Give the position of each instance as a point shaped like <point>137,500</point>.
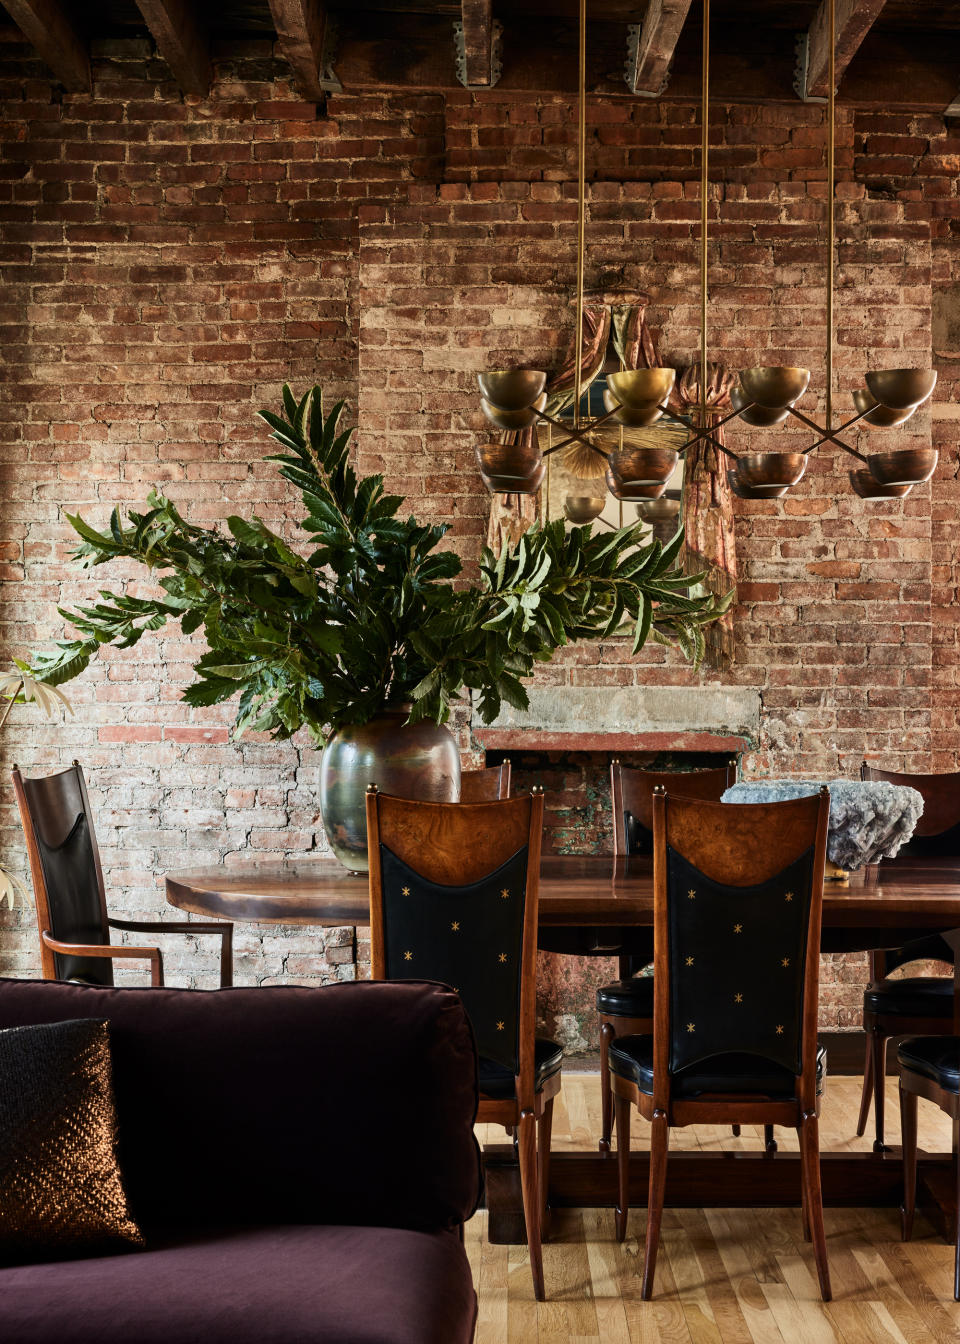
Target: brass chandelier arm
<point>707,433</point>
<point>576,438</point>
<point>829,436</point>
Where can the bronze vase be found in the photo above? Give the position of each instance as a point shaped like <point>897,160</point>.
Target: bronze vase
<point>417,760</point>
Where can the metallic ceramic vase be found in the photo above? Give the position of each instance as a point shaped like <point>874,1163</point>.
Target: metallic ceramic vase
<point>418,760</point>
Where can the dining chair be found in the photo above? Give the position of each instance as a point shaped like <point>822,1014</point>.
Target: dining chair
<point>929,1067</point>
<point>738,891</point>
<point>68,888</point>
<point>485,786</point>
<point>625,1007</point>
<point>910,1005</point>
<point>454,891</point>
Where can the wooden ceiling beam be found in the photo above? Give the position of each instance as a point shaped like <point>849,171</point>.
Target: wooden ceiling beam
<point>47,26</point>
<point>180,41</point>
<point>651,47</point>
<point>854,19</point>
<point>301,28</point>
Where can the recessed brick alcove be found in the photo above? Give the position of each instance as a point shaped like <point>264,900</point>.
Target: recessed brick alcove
<point>168,262</point>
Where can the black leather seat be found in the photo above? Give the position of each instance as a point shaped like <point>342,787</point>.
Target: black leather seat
<point>627,998</point>
<point>632,1058</point>
<point>495,1080</point>
<point>933,1057</point>
<point>921,996</point>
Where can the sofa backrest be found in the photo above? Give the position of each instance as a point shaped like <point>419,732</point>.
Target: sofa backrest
<point>343,1104</point>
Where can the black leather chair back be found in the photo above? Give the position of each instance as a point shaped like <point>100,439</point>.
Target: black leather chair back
<point>469,937</point>
<point>65,864</point>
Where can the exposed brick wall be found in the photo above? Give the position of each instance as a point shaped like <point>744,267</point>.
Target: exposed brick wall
<point>166,263</point>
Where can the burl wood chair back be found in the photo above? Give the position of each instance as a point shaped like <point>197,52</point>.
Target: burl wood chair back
<point>938,830</point>
<point>65,867</point>
<point>453,897</point>
<point>631,793</point>
<point>738,891</point>
<point>485,786</point>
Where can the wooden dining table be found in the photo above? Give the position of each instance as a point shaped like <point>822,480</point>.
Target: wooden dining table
<point>603,905</point>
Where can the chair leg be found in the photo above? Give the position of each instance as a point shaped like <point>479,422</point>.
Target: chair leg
<point>769,1142</point>
<point>908,1130</point>
<point>659,1147</point>
<point>622,1107</point>
<point>867,1093</point>
<point>544,1133</point>
<point>527,1152</point>
<point>810,1164</point>
<point>878,1046</point>
<point>956,1239</point>
<point>607,1034</point>
<point>736,1131</point>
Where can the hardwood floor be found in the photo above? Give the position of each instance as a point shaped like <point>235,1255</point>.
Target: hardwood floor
<point>736,1276</point>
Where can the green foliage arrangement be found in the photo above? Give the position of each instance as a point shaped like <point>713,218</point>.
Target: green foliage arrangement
<point>369,613</point>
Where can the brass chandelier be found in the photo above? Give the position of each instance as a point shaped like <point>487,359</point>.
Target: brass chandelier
<point>515,399</point>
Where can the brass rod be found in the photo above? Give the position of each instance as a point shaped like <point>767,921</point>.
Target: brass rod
<point>704,182</point>
<point>831,193</point>
<point>831,436</point>
<point>581,209</point>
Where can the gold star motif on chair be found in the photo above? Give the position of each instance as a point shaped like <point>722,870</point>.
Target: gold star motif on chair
<point>505,894</point>
<point>691,1026</point>
<point>455,926</point>
<point>738,998</point>
<point>785,962</point>
<point>408,956</point>
<point>691,895</point>
<point>503,957</point>
<point>689,961</point>
<point>738,928</point>
<point>779,1031</point>
<point>500,1026</point>
<point>789,896</point>
<point>406,891</point>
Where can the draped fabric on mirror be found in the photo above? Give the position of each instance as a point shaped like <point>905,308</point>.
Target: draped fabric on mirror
<point>708,519</point>
<point>511,515</point>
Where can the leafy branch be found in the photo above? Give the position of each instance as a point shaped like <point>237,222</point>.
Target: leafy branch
<point>367,615</point>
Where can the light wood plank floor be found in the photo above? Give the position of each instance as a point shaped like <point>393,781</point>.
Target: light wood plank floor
<point>724,1276</point>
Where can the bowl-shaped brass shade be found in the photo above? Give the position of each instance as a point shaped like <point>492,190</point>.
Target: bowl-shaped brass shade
<point>758,470</point>
<point>899,389</point>
<point>743,491</point>
<point>628,415</point>
<point>867,488</point>
<point>583,508</point>
<point>516,460</point>
<point>515,485</point>
<point>512,389</point>
<point>776,386</point>
<point>640,388</point>
<point>757,415</point>
<point>512,420</point>
<point>904,466</point>
<point>642,466</point>
<point>633,491</point>
<point>881,417</point>
<point>658,510</point>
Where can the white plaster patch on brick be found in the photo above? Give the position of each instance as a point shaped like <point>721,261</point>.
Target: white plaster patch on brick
<point>725,710</point>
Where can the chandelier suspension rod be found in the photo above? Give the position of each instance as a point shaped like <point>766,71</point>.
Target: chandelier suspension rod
<point>831,193</point>
<point>704,171</point>
<point>581,209</point>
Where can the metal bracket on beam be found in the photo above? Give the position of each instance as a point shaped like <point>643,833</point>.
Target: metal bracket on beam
<point>802,68</point>
<point>634,34</point>
<point>328,78</point>
<point>496,56</point>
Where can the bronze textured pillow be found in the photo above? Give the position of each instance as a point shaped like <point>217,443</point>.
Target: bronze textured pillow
<point>60,1185</point>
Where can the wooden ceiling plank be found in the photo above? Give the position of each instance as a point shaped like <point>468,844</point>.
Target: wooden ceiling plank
<point>477,18</point>
<point>854,19</point>
<point>180,42</point>
<point>47,26</point>
<point>300,26</point>
<point>648,69</point>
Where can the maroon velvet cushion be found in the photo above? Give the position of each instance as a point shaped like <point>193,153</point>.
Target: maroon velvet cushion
<point>344,1104</point>
<point>277,1285</point>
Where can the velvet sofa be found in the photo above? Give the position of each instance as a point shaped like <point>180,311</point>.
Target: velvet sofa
<point>288,1191</point>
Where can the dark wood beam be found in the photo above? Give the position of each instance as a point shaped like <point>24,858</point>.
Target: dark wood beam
<point>300,26</point>
<point>180,42</point>
<point>46,25</point>
<point>854,19</point>
<point>651,50</point>
<point>477,19</point>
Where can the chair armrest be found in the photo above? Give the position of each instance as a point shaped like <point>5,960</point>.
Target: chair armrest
<point>151,954</point>
<point>222,929</point>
